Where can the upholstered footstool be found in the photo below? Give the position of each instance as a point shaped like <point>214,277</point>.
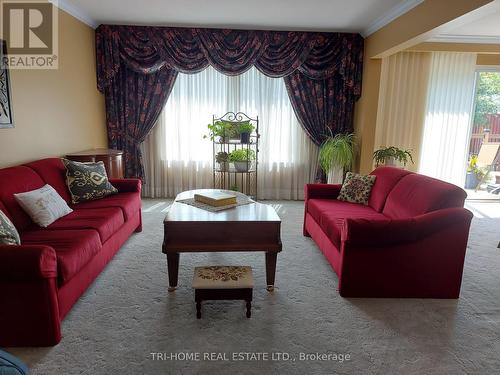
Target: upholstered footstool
<point>223,283</point>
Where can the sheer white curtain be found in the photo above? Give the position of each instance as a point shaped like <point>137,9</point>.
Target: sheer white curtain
<point>177,158</point>
<point>402,100</point>
<point>448,116</point>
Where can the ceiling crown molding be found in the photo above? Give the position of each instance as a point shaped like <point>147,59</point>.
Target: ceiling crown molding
<point>390,16</point>
<point>481,39</point>
<point>75,12</point>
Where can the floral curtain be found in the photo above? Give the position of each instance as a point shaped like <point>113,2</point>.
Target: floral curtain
<point>133,103</point>
<point>330,64</point>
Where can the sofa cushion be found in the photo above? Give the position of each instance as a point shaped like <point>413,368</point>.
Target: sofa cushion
<point>106,221</point>
<point>87,181</point>
<point>8,232</point>
<point>356,188</point>
<point>52,171</point>
<point>18,180</point>
<point>387,178</point>
<point>129,203</point>
<point>43,205</point>
<point>330,214</point>
<point>416,194</point>
<point>74,248</point>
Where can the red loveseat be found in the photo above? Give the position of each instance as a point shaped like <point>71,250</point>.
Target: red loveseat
<point>41,279</point>
<point>410,240</point>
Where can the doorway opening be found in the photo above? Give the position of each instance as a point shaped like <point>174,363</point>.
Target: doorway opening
<point>483,167</point>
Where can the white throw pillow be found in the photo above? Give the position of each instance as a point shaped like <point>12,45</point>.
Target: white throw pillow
<point>43,205</point>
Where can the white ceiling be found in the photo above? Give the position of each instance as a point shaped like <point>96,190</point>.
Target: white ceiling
<point>364,16</point>
<point>483,27</point>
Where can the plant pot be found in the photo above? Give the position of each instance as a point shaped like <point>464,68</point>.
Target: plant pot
<point>242,166</point>
<point>245,138</point>
<point>390,162</point>
<point>471,180</point>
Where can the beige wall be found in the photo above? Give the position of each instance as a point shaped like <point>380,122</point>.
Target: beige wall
<point>57,111</point>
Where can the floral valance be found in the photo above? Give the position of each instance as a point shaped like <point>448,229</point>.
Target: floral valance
<point>147,49</point>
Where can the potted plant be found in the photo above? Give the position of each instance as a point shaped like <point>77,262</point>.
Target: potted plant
<point>245,128</point>
<point>337,152</point>
<point>474,173</point>
<point>225,130</point>
<point>242,159</point>
<point>222,159</point>
<point>390,155</point>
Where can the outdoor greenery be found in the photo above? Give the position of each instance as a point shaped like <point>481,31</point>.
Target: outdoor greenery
<point>337,152</point>
<point>472,167</point>
<point>487,97</point>
<point>383,154</point>
<point>242,154</point>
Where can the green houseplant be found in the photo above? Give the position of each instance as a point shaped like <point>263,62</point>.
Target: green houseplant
<point>242,159</point>
<point>225,130</point>
<point>389,155</point>
<point>245,128</point>
<point>337,152</point>
<point>222,159</point>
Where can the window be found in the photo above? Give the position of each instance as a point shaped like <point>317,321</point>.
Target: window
<point>179,158</point>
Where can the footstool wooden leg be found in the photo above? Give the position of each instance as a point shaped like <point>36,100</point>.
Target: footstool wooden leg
<point>249,307</point>
<point>198,309</point>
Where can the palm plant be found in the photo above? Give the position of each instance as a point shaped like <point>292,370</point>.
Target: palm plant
<point>337,152</point>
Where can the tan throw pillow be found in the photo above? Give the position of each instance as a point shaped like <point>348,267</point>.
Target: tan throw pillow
<point>87,181</point>
<point>356,188</point>
<point>43,205</point>
<point>8,232</point>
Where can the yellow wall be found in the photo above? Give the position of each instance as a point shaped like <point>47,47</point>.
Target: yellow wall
<point>57,111</point>
<point>489,60</point>
<point>365,115</point>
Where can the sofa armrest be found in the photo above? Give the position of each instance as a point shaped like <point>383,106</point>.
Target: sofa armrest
<point>29,313</point>
<point>27,262</point>
<point>127,185</point>
<point>321,191</point>
<point>366,233</point>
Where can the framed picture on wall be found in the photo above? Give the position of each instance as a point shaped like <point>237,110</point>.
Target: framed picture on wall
<point>6,120</point>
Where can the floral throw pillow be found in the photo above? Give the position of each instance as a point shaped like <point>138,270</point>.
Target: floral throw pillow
<point>87,181</point>
<point>356,188</point>
<point>8,233</point>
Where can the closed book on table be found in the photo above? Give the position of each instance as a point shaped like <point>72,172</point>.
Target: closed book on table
<point>215,198</point>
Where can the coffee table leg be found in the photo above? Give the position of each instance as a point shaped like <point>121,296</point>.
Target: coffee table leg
<point>173,270</point>
<point>271,257</point>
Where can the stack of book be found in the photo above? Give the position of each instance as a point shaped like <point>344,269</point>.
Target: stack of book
<point>215,198</point>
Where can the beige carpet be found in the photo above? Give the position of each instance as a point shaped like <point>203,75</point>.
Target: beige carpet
<point>127,314</point>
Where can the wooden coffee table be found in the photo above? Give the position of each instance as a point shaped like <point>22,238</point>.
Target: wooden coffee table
<point>251,227</point>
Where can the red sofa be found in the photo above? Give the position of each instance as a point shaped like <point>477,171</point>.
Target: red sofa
<point>410,240</point>
<point>41,279</point>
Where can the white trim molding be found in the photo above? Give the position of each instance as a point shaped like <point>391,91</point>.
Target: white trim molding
<point>75,12</point>
<point>390,16</point>
<point>449,38</point>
